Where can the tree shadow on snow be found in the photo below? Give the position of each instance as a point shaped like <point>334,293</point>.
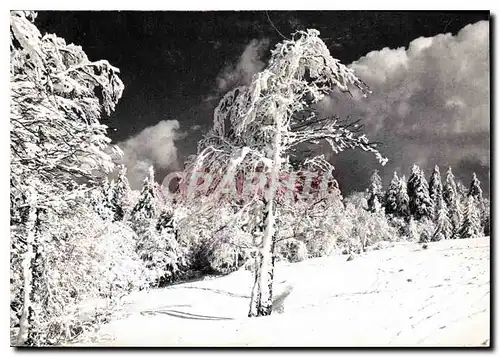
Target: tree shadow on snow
<point>184,315</point>
<point>217,291</point>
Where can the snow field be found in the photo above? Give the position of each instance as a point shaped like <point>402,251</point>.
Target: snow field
<point>400,296</point>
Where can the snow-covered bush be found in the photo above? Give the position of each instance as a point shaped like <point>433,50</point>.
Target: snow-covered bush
<point>315,221</point>
<point>357,228</point>
<point>291,250</point>
<point>83,271</point>
<point>159,253</point>
<point>229,250</point>
<point>195,230</point>
<point>425,229</point>
<point>400,224</point>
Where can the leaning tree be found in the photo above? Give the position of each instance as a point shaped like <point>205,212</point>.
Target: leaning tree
<point>262,126</point>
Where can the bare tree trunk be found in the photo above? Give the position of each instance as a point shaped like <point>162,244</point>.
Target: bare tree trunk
<point>262,293</point>
<point>27,266</point>
<point>256,288</point>
<point>266,297</point>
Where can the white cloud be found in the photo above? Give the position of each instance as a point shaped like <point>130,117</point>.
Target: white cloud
<point>155,146</point>
<point>430,102</point>
<point>249,63</point>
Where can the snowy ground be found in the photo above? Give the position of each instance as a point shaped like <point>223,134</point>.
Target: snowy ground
<point>400,296</point>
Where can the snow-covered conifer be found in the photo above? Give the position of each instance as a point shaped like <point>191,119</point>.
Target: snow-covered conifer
<point>471,226</point>
<point>476,192</point>
<point>435,191</point>
<point>444,229</point>
<point>147,206</point>
<point>157,243</point>
<point>391,196</point>
<point>462,192</point>
<point>375,193</point>
<point>160,251</point>
<point>449,188</point>
<point>402,199</point>
<point>475,189</point>
<point>99,200</point>
<point>418,193</point>
<point>453,202</point>
<point>119,195</point>
<point>486,217</point>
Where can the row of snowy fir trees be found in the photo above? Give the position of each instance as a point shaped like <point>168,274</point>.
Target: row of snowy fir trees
<point>456,211</point>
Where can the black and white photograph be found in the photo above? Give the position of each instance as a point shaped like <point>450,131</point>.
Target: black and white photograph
<point>250,178</point>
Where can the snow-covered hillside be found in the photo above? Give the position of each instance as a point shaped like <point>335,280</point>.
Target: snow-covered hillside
<point>401,296</point>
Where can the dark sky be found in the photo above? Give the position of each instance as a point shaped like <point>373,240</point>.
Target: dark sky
<point>170,61</point>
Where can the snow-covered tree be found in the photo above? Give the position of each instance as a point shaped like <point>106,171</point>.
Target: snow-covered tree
<point>157,232</point>
<point>99,200</point>
<point>229,248</point>
<point>471,226</point>
<point>59,149</point>
<point>453,202</point>
<point>319,223</point>
<point>456,214</point>
<point>425,228</point>
<point>292,250</point>
<point>444,228</point>
<point>148,204</point>
<point>262,124</point>
<point>418,193</point>
<point>391,196</point>
<point>435,191</point>
<point>160,252</point>
<point>119,195</point>
<point>167,222</point>
<point>27,318</point>
<point>55,131</point>
<point>475,188</point>
<point>375,193</point>
<point>402,199</point>
<point>449,188</point>
<point>462,192</point>
<point>476,192</point>
<point>486,217</point>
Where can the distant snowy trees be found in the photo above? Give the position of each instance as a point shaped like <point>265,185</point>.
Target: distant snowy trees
<point>437,210</point>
